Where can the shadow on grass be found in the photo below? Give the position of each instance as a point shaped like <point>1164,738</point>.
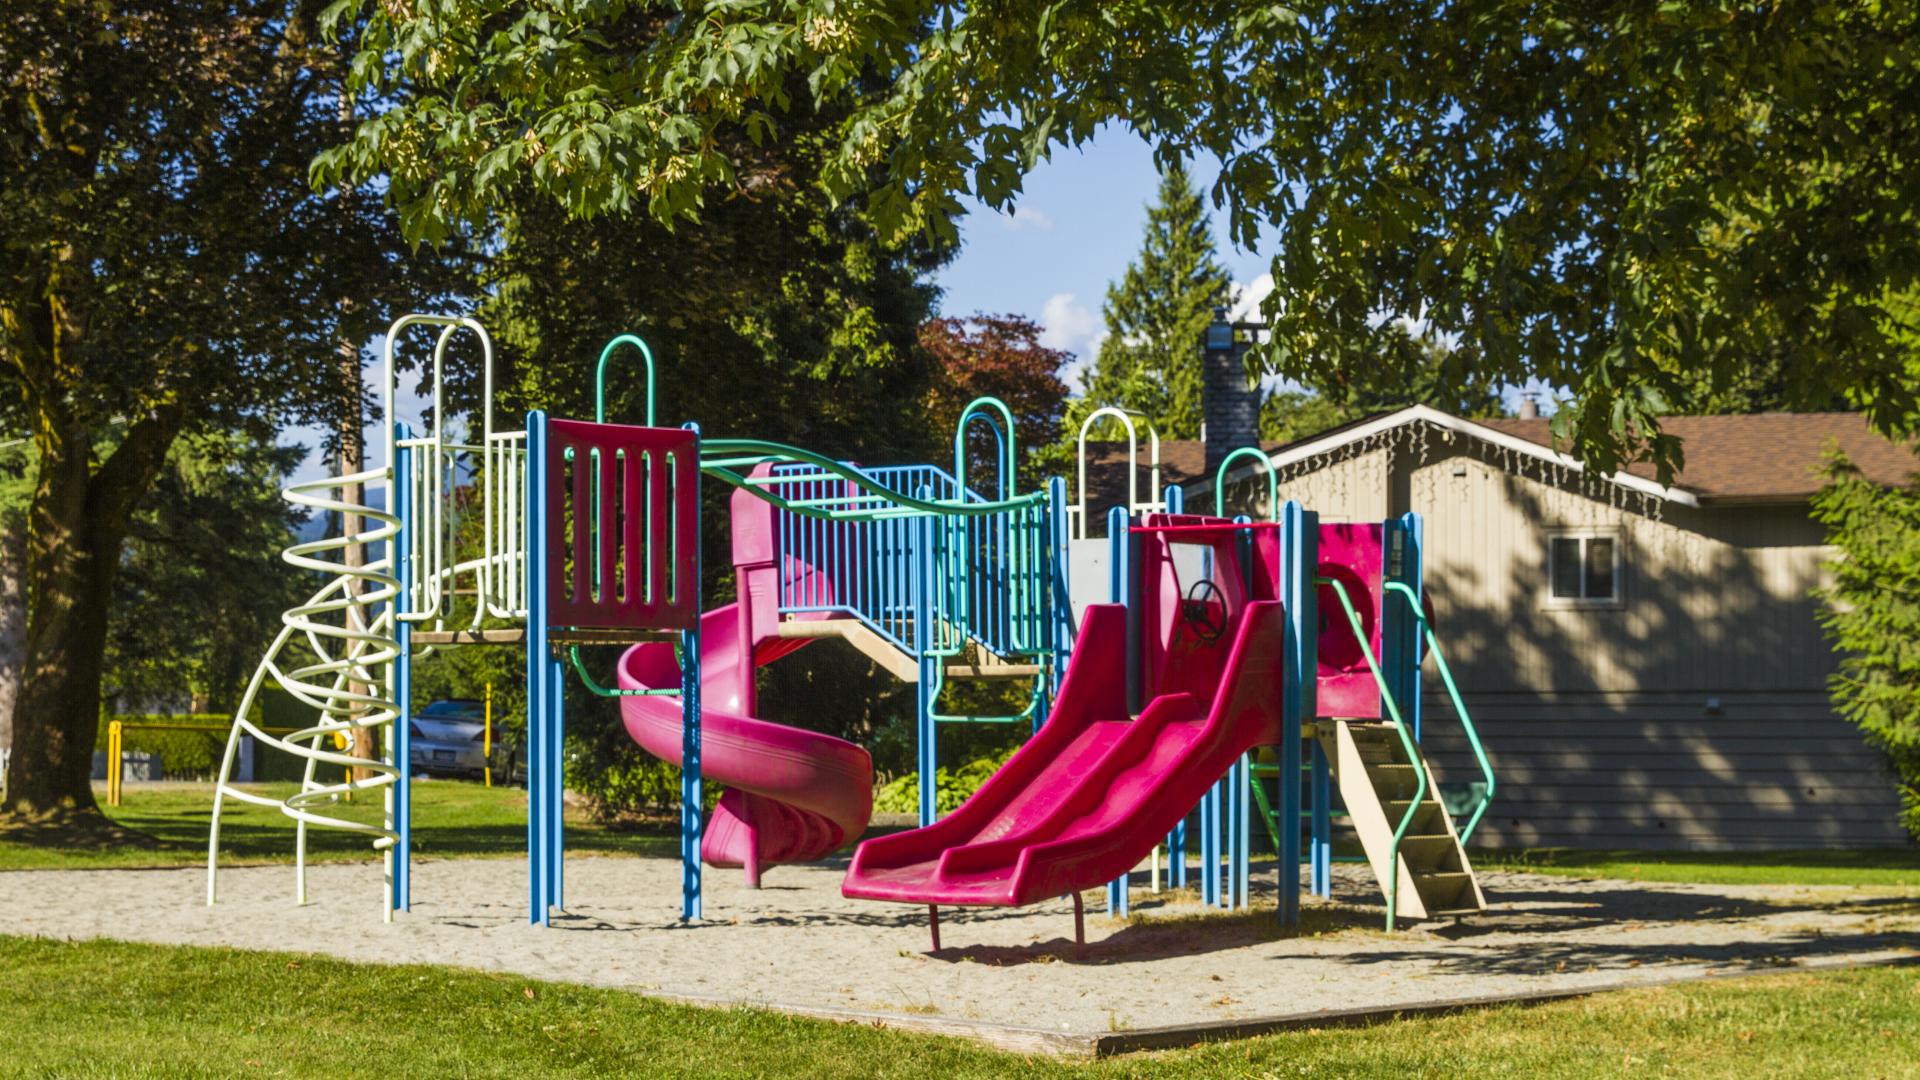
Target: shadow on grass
<point>167,825</point>
<point>74,830</point>
<point>1616,862</point>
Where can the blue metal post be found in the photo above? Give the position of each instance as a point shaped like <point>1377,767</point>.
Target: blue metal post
<point>556,784</point>
<point>1176,501</point>
<point>1240,776</point>
<point>1320,849</point>
<point>1062,590</point>
<point>1122,589</point>
<point>692,794</point>
<point>537,682</point>
<point>1404,668</point>
<point>1299,538</point>
<point>925,638</point>
<point>400,741</point>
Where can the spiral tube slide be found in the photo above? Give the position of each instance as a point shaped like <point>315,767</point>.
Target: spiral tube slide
<point>792,794</point>
<point>347,629</point>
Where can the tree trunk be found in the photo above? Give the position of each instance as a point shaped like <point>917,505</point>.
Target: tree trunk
<point>13,622</point>
<point>71,561</point>
<point>76,527</point>
<point>366,742</point>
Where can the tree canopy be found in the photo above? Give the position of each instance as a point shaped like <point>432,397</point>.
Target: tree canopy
<point>999,356</point>
<point>165,270</point>
<point>1606,197</point>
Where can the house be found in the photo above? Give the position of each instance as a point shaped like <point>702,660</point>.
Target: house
<point>1643,661</point>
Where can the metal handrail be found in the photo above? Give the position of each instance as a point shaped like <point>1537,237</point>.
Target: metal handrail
<point>1406,742</point>
<point>720,457</point>
<point>1220,481</point>
<point>593,686</point>
<point>600,376</point>
<point>1079,508</point>
<point>1459,706</point>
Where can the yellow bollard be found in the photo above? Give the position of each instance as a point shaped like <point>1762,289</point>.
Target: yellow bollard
<point>486,741</point>
<point>114,768</point>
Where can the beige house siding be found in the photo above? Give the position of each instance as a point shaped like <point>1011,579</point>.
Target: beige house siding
<point>1691,715</point>
<point>1713,600</point>
<point>1655,771</point>
<point>1353,489</point>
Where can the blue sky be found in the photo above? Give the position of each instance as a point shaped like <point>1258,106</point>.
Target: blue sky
<point>1076,225</point>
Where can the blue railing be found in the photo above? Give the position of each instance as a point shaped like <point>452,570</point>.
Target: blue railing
<point>992,574</point>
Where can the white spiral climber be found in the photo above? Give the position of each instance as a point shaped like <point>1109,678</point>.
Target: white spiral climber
<point>347,627</point>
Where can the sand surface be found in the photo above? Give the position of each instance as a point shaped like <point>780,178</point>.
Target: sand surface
<point>796,943</point>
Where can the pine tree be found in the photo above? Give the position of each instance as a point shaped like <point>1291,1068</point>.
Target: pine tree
<point>1157,314</point>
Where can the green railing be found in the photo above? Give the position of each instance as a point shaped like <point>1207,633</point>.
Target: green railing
<point>1459,706</point>
<point>722,458</point>
<point>1406,743</point>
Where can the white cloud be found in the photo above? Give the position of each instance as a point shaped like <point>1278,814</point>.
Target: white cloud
<point>1024,219</point>
<point>1070,325</point>
<point>1247,299</point>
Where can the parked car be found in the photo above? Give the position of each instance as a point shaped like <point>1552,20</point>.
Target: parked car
<point>449,739</point>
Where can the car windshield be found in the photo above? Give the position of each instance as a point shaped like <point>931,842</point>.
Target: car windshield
<point>452,709</point>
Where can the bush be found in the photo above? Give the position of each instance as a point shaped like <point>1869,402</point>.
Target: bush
<point>1872,616</point>
<point>951,787</point>
<point>186,755</point>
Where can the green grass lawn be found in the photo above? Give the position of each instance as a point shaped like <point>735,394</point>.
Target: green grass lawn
<point>112,1009</point>
<point>450,818</point>
<point>1843,866</point>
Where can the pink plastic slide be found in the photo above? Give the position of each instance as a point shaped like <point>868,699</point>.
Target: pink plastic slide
<point>792,794</point>
<point>1093,791</point>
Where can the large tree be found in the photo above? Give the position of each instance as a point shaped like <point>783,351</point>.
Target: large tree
<point>997,356</point>
<point>1607,197</point>
<point>201,585</point>
<point>1157,314</point>
<point>1434,375</point>
<point>165,269</point>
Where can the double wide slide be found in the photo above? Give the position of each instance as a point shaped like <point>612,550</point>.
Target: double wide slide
<point>1094,790</point>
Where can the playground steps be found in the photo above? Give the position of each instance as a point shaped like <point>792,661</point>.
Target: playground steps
<point>899,663</point>
<point>1377,784</point>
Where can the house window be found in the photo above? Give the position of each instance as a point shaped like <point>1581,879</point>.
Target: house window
<point>1583,570</point>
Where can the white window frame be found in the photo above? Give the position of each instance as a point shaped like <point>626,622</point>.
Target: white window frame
<point>1590,603</point>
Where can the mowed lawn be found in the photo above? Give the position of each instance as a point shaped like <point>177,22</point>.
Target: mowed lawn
<point>113,1009</point>
<point>450,819</point>
<point>1839,866</point>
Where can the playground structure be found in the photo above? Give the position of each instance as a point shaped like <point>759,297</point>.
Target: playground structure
<point>1210,638</point>
<point>588,534</point>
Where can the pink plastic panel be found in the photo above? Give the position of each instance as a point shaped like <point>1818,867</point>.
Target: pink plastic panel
<point>1351,555</point>
<point>623,526</point>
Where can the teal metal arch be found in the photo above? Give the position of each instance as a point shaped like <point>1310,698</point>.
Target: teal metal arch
<point>600,375</point>
<point>1266,464</point>
<point>1003,433</point>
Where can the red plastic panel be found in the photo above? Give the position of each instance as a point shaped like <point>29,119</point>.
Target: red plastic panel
<point>1178,656</point>
<point>623,526</point>
<point>1350,554</point>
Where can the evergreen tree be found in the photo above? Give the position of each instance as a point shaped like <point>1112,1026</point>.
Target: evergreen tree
<point>1157,314</point>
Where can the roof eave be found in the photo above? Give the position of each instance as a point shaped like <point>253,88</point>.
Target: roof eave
<point>1301,451</point>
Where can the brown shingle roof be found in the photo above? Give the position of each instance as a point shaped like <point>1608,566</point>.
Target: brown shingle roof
<point>1760,457</point>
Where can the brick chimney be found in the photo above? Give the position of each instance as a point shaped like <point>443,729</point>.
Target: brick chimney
<point>1229,403</point>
